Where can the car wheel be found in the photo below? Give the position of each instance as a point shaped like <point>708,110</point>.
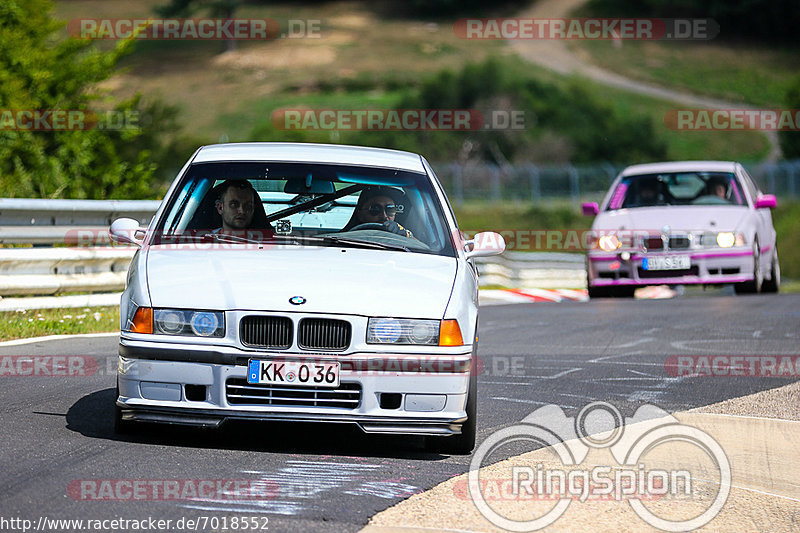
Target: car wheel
<point>622,292</point>
<point>121,427</point>
<point>599,292</point>
<point>773,284</point>
<point>752,287</point>
<point>464,443</point>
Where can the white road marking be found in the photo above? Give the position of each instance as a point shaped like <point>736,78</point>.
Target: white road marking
<point>17,342</point>
<point>534,402</point>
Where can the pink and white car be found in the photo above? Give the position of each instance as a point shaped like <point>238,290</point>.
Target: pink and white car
<point>691,222</point>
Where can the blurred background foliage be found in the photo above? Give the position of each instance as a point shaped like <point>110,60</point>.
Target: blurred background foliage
<point>380,55</point>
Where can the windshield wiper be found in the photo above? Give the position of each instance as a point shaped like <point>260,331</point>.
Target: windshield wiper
<point>231,238</point>
<point>368,244</point>
<point>332,239</point>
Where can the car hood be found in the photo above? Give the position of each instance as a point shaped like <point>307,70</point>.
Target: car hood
<point>332,280</point>
<point>688,218</point>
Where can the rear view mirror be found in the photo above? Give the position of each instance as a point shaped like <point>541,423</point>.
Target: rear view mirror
<point>126,231</point>
<point>766,201</point>
<point>486,243</point>
<point>590,209</point>
<point>308,185</point>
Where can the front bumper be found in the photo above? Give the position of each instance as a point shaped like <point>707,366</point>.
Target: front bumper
<point>734,265</point>
<point>193,385</point>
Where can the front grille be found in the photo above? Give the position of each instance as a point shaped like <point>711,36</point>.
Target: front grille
<point>323,334</point>
<point>679,243</point>
<point>266,332</point>
<point>653,243</point>
<point>239,392</point>
<point>646,274</point>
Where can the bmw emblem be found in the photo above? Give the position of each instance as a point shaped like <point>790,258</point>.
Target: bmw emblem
<point>297,300</point>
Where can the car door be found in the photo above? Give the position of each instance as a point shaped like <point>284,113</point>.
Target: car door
<point>761,217</point>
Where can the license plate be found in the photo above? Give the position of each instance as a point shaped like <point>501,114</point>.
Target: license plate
<point>666,262</point>
<point>293,373</point>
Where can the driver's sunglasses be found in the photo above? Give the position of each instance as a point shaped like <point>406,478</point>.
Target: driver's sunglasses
<point>390,209</point>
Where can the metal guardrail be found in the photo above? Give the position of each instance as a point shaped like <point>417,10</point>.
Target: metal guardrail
<point>576,182</point>
<point>38,221</point>
<point>543,270</point>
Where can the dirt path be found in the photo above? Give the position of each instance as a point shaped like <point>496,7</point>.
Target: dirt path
<point>554,54</point>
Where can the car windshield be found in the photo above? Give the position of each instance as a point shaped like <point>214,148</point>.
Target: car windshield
<point>306,204</point>
<point>677,188</point>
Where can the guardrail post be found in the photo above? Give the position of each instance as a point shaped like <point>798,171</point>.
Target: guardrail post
<point>458,182</point>
<point>536,189</point>
<point>574,185</point>
<point>494,172</point>
<point>771,178</point>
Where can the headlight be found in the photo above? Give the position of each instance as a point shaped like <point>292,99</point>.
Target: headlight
<point>609,243</point>
<point>402,331</point>
<point>189,322</point>
<point>726,239</point>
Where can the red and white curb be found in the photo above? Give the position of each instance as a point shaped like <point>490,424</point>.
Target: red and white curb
<point>526,296</point>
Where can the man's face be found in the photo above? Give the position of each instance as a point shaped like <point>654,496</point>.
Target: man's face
<point>719,190</point>
<point>236,208</point>
<point>374,210</point>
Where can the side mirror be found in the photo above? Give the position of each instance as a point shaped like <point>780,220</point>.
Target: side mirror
<point>486,243</point>
<point>125,230</point>
<point>766,201</point>
<point>590,209</point>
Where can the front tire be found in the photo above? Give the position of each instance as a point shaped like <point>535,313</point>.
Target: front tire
<point>754,286</point>
<point>773,284</point>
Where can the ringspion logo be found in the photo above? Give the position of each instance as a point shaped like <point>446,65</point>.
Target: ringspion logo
<point>600,455</point>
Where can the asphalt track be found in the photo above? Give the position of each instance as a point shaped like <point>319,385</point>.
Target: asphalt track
<point>57,431</point>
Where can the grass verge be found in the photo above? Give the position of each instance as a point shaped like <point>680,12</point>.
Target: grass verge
<point>737,72</point>
<point>23,324</point>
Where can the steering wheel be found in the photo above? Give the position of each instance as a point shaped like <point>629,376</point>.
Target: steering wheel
<point>369,225</point>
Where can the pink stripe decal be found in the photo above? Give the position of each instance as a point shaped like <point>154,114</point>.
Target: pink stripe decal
<point>736,192</point>
<point>619,194</point>
<point>723,254</point>
<point>689,280</point>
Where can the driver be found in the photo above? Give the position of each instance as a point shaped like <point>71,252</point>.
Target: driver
<point>379,205</point>
<point>717,187</point>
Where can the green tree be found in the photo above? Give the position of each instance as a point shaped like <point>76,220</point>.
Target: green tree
<point>40,70</point>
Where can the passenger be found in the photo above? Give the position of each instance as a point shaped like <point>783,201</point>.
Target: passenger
<point>379,205</point>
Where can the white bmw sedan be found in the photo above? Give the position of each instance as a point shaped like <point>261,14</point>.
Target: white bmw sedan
<point>302,282</point>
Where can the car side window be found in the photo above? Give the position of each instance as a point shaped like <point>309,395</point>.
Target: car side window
<point>749,184</point>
